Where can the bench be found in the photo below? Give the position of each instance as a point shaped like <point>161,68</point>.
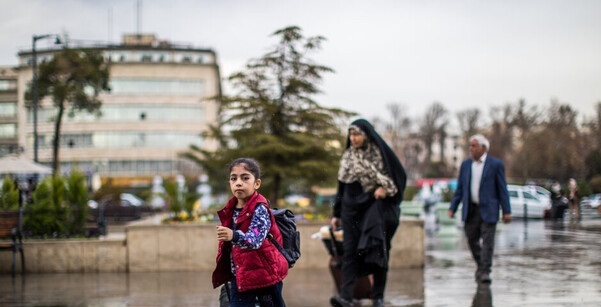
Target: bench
<point>11,237</point>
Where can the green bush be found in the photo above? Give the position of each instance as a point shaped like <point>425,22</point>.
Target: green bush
<point>59,207</point>
<point>179,200</point>
<point>410,192</point>
<point>46,216</point>
<point>77,199</point>
<point>9,196</point>
<point>595,184</point>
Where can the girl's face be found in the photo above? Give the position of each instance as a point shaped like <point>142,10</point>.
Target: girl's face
<point>243,183</point>
<point>357,138</point>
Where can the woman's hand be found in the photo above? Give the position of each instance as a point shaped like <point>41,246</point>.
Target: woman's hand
<point>224,233</point>
<point>335,223</point>
<point>380,193</point>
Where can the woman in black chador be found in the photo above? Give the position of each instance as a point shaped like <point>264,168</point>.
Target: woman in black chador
<point>371,181</point>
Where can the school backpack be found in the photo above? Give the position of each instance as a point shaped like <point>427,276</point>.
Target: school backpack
<point>290,248</point>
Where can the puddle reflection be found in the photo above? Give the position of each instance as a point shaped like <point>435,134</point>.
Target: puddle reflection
<point>483,296</point>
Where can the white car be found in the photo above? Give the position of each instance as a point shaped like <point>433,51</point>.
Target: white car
<point>526,202</point>
<point>128,199</point>
<point>591,202</point>
<point>540,191</point>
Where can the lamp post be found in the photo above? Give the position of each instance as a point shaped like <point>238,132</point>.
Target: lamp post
<point>34,39</point>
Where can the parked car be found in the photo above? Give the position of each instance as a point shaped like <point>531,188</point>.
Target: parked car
<point>540,191</point>
<point>126,207</point>
<point>591,202</point>
<point>527,202</point>
<point>128,199</point>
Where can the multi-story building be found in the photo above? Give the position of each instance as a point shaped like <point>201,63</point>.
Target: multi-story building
<point>159,105</point>
<point>8,111</point>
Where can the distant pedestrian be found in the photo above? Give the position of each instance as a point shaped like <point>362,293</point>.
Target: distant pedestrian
<point>251,266</point>
<point>482,189</point>
<point>559,203</point>
<point>573,199</point>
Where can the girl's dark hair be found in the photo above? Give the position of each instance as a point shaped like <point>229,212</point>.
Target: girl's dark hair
<point>250,165</point>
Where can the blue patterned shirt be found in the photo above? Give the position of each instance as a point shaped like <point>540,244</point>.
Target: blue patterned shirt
<point>257,231</point>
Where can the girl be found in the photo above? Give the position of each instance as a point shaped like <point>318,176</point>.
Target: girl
<point>253,265</point>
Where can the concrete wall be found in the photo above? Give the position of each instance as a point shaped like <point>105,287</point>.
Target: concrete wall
<point>185,247</point>
<point>69,256</point>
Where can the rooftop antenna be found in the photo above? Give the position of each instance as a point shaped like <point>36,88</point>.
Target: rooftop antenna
<point>110,25</point>
<point>139,17</point>
<point>65,38</point>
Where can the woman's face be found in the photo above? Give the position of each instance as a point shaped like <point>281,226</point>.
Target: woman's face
<point>357,138</point>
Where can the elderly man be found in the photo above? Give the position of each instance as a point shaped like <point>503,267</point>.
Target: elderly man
<point>482,189</point>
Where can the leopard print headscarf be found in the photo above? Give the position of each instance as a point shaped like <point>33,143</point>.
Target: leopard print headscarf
<point>365,165</point>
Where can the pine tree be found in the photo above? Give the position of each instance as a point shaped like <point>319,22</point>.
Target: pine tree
<point>274,119</point>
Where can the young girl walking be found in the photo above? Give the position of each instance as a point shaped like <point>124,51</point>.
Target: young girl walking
<point>251,263</point>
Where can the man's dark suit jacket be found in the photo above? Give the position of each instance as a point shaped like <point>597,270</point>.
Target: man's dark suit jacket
<point>493,190</point>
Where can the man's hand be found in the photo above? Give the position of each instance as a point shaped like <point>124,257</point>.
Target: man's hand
<point>506,218</point>
<point>451,213</point>
<point>224,234</point>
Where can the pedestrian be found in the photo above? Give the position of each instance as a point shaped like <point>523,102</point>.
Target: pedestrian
<point>252,265</point>
<point>574,199</point>
<point>559,203</point>
<point>371,181</point>
<point>482,189</point>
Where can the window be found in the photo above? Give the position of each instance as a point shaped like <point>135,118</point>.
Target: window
<point>8,85</point>
<point>527,195</point>
<point>146,58</point>
<point>8,130</point>
<point>76,140</point>
<point>8,109</point>
<point>101,140</point>
<point>127,113</point>
<point>157,86</point>
<point>513,194</point>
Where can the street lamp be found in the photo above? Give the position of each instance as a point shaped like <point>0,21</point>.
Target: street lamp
<point>34,39</point>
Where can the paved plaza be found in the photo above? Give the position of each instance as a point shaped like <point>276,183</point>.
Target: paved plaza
<point>537,263</point>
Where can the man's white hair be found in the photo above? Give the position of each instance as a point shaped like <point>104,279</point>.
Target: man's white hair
<point>482,140</point>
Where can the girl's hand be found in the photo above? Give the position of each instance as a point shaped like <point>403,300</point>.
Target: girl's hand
<point>380,193</point>
<point>224,234</point>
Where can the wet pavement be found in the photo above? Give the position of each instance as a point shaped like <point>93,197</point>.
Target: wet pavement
<point>536,263</point>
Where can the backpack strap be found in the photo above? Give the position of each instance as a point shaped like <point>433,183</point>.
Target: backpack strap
<point>272,240</point>
<point>269,234</point>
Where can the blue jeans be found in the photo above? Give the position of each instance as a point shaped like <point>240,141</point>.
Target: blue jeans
<point>265,297</point>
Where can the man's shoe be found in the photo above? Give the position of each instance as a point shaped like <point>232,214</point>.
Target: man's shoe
<point>378,302</point>
<point>338,301</point>
<point>485,278</point>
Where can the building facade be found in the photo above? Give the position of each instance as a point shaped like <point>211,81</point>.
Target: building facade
<point>159,104</point>
<point>8,111</point>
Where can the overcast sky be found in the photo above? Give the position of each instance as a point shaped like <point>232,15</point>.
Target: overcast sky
<point>461,53</point>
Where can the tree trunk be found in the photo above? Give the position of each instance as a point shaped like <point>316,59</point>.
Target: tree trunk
<point>56,141</point>
<point>275,193</point>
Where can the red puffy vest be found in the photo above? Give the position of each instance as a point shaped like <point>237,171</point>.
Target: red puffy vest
<point>255,269</point>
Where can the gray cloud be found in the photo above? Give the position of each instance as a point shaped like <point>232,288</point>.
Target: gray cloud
<point>461,53</point>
